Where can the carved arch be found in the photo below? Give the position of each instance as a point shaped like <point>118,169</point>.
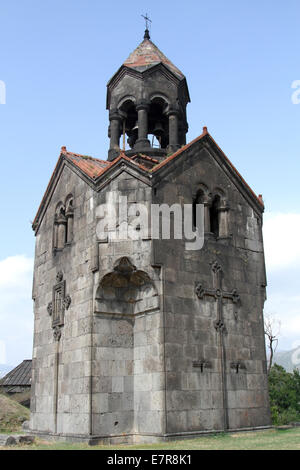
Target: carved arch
<point>126,291</point>
<point>129,98</point>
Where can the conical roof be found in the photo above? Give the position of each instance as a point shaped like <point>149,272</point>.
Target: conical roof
<point>147,55</point>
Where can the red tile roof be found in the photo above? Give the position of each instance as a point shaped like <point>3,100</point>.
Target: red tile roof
<point>185,147</point>
<point>147,54</point>
<point>94,168</point>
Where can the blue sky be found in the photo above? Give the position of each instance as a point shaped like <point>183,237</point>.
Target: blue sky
<point>240,60</point>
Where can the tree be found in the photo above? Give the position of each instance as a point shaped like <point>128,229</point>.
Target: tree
<point>272,331</point>
<point>284,389</point>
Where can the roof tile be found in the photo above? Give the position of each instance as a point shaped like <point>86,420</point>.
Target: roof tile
<point>146,55</point>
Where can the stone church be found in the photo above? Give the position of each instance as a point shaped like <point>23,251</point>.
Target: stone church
<point>141,339</point>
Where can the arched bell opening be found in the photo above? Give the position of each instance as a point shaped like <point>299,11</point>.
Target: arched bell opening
<point>158,130</point>
<point>129,125</point>
<point>126,291</point>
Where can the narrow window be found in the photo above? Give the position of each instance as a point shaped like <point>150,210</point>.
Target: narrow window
<point>69,218</point>
<point>214,215</point>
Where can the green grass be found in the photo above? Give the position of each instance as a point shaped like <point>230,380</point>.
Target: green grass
<point>273,439</point>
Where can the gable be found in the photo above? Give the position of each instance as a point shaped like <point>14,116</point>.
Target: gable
<point>95,172</point>
<point>192,155</point>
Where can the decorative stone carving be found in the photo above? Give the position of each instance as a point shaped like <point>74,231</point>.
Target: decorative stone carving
<point>57,333</point>
<point>60,303</point>
<point>126,290</point>
<point>237,366</point>
<point>220,326</point>
<point>202,365</point>
<point>50,308</point>
<point>216,267</point>
<point>67,302</point>
<point>218,294</point>
<point>200,291</point>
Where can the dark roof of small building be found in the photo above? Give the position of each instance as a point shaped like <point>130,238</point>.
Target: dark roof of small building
<point>19,376</point>
<point>147,55</point>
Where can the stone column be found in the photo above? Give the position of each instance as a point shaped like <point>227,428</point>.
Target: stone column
<point>223,218</point>
<point>173,131</point>
<point>61,230</point>
<point>207,204</point>
<point>115,120</point>
<point>142,141</point>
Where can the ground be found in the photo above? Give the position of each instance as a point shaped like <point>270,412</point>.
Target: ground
<point>12,415</point>
<point>273,439</point>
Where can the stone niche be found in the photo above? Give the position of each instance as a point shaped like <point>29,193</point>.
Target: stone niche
<point>126,291</point>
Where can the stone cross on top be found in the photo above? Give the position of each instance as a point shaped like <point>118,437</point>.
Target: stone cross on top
<point>218,294</point>
<point>147,21</point>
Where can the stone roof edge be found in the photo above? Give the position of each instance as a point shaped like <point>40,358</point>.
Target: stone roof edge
<point>123,70</point>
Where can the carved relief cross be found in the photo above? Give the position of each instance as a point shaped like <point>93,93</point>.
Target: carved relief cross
<point>218,294</point>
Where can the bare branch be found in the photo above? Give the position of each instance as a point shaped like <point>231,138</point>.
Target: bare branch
<point>272,331</point>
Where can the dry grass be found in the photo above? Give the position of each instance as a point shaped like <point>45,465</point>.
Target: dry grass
<point>12,415</point>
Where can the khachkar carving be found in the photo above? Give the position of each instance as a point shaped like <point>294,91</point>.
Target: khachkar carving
<point>60,303</point>
<point>219,294</point>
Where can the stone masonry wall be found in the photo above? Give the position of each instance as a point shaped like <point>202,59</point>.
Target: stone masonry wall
<point>195,398</point>
<point>128,359</point>
<point>75,346</point>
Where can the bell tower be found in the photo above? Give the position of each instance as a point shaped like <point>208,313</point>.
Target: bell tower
<point>147,99</point>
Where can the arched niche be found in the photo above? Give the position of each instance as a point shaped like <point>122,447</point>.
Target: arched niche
<point>126,291</point>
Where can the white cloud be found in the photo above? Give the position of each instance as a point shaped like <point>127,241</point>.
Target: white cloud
<point>287,310</point>
<point>16,312</point>
<point>15,271</point>
<point>281,240</point>
<point>282,250</point>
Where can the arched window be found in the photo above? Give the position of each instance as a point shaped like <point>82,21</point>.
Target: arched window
<point>69,216</point>
<point>202,196</point>
<point>198,199</point>
<point>219,216</point>
<point>63,224</point>
<point>59,232</point>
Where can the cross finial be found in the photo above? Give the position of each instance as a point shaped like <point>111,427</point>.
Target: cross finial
<point>147,21</point>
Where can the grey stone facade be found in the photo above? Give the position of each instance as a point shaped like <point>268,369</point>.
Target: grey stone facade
<point>141,339</point>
